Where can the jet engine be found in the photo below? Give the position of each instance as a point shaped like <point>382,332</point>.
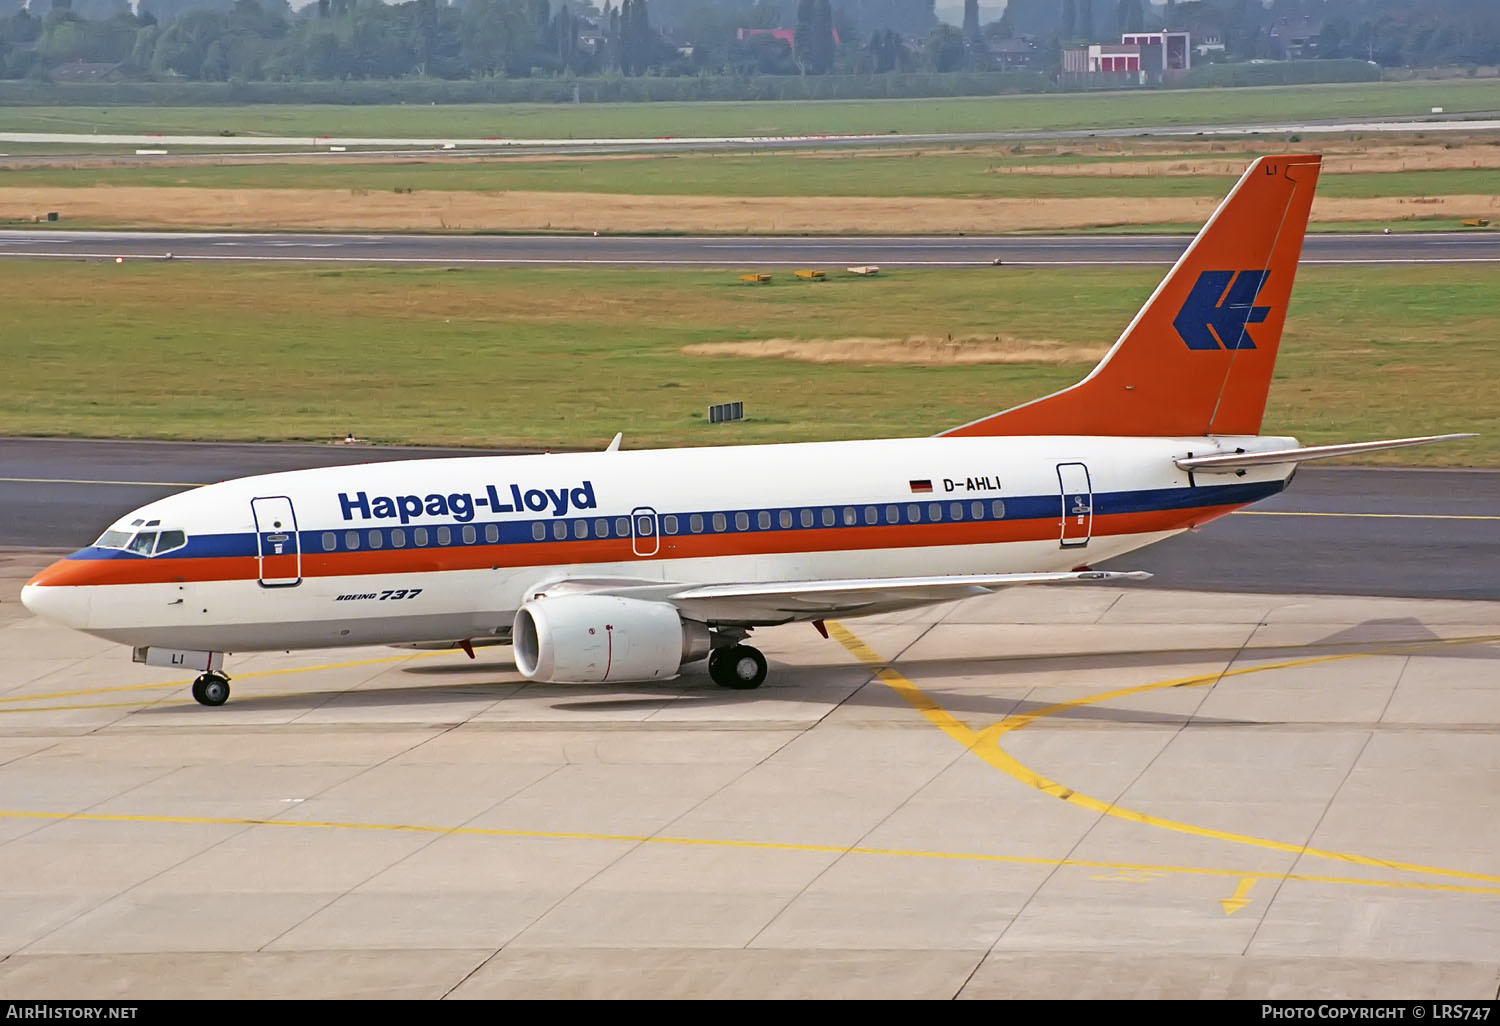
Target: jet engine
<point>588,639</point>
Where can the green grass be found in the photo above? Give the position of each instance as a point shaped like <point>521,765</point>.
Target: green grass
<point>1184,107</point>
<point>940,173</point>
<point>565,358</point>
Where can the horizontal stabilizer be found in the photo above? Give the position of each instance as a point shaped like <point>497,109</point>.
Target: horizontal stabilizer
<point>1230,462</point>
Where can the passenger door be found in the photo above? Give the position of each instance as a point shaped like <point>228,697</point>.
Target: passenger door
<point>276,542</point>
<point>1077,505</point>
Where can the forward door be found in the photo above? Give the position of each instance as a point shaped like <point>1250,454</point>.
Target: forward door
<point>276,542</point>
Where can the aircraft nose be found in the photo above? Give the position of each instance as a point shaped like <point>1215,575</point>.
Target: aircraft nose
<point>64,604</point>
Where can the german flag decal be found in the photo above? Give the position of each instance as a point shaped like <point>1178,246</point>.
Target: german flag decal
<point>921,487</point>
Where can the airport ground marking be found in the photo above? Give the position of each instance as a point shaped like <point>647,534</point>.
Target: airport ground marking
<point>85,481</point>
<point>1133,872</point>
<point>1240,898</point>
<point>985,745</point>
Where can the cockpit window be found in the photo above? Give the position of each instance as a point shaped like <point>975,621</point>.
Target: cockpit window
<point>143,543</point>
<point>169,541</point>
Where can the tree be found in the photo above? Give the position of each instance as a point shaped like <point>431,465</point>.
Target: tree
<point>971,22</point>
<point>944,48</point>
<point>1130,16</point>
<point>1086,19</point>
<point>821,50</point>
<point>802,34</point>
<point>1069,26</point>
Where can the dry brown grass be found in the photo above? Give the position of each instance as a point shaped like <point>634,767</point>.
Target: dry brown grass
<point>174,207</point>
<point>916,350</point>
<point>1336,160</point>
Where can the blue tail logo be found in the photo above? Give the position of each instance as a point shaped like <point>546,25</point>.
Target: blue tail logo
<point>1220,309</point>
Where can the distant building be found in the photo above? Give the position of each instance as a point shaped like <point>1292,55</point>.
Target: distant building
<point>1013,54</point>
<point>1102,58</point>
<point>1209,45</point>
<point>786,35</point>
<point>1296,39</point>
<point>86,71</point>
<point>1175,48</point>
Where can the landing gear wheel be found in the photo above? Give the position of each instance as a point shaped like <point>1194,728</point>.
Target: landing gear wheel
<point>211,689</point>
<point>739,667</point>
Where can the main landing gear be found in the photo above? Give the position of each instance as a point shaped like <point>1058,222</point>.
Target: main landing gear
<point>738,666</point>
<point>212,688</point>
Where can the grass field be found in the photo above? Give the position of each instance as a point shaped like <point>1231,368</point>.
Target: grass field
<point>565,358</point>
<point>651,120</point>
<point>924,173</point>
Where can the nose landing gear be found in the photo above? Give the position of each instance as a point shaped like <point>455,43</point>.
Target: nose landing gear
<point>212,688</point>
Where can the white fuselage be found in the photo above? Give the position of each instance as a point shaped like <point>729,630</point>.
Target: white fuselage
<point>447,550</point>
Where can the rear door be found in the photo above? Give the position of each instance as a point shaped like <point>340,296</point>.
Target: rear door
<point>276,542</point>
<point>1077,505</point>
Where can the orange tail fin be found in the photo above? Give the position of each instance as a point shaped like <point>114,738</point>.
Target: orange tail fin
<point>1197,359</point>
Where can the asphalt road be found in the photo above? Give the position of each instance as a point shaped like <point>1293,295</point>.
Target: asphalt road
<point>1342,531</point>
<point>717,251</point>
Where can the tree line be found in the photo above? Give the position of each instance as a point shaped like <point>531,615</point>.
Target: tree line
<point>347,40</point>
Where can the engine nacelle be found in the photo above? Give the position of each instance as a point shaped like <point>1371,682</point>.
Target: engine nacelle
<point>589,639</point>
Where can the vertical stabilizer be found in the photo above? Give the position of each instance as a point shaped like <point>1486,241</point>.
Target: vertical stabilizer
<point>1198,357</point>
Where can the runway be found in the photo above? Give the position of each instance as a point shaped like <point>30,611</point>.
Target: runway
<point>492,144</point>
<point>717,251</point>
<point>1345,531</point>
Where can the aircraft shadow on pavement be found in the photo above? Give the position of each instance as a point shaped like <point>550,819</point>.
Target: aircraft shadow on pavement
<point>813,682</point>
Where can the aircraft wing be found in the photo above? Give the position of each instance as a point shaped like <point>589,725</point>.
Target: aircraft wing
<point>775,602</point>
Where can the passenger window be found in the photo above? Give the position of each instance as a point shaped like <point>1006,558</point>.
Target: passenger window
<point>956,511</point>
<point>643,527</point>
<point>142,543</point>
<point>720,522</point>
<point>601,528</point>
<point>914,513</point>
<point>871,514</point>
<point>742,521</point>
<point>935,512</point>
<point>470,535</point>
<point>997,510</point>
<point>828,518</point>
<point>419,536</point>
<point>807,518</point>
<point>330,541</point>
<point>580,529</point>
<point>559,529</point>
<point>893,514</point>
<point>622,527</point>
<point>695,523</point>
<point>444,536</point>
<point>786,518</point>
<point>375,539</point>
<point>398,538</point>
<point>669,524</point>
<point>170,541</point>
<point>976,509</point>
<point>491,533</point>
<point>763,520</point>
<point>539,531</point>
<point>351,540</point>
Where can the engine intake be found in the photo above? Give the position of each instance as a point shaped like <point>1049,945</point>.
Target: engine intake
<point>590,639</point>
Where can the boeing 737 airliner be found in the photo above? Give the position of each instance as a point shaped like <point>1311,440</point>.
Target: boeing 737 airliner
<point>627,566</point>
